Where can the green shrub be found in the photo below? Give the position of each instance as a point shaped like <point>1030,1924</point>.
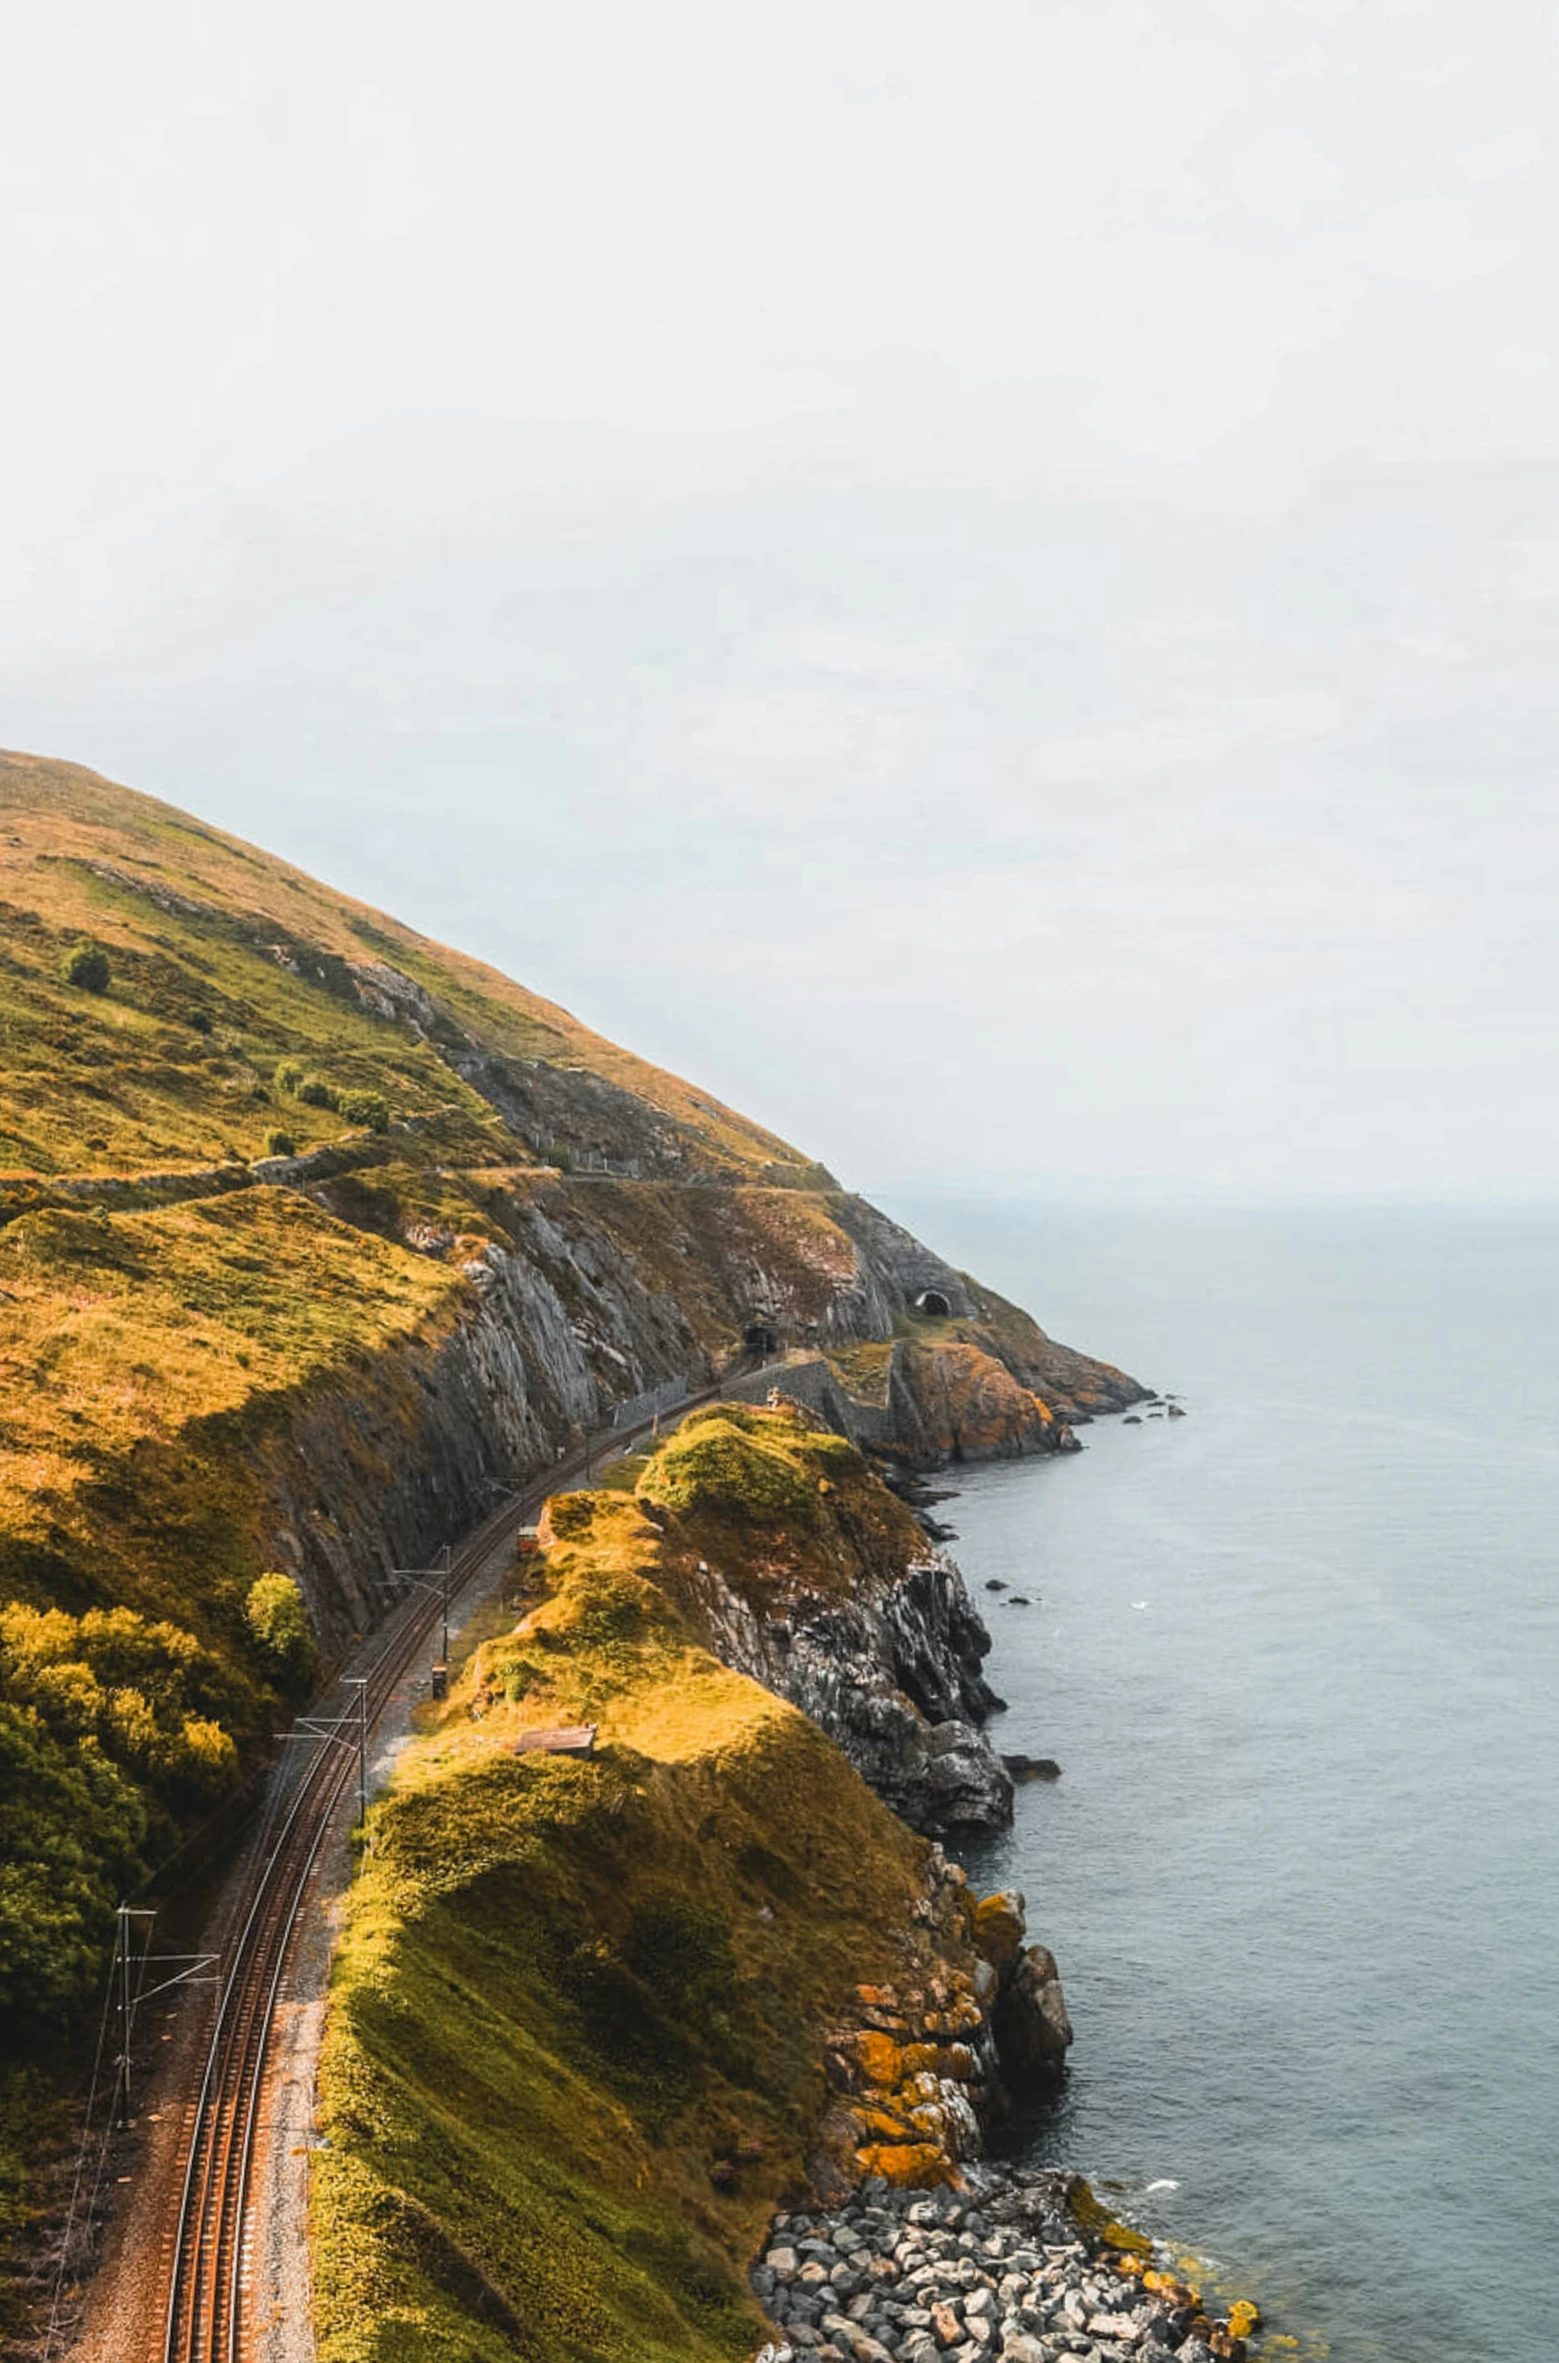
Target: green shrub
<point>70,1842</point>
<point>109,1737</point>
<point>370,1108</point>
<point>288,1075</point>
<point>315,1092</point>
<point>87,966</point>
<point>280,1144</point>
<point>279,1621</point>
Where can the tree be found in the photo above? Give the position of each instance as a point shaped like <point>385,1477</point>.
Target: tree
<point>369,1108</point>
<point>87,966</point>
<point>69,1842</point>
<point>279,1620</point>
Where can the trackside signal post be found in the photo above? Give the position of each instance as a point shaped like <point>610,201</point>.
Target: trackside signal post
<point>437,1581</point>
<point>335,1729</point>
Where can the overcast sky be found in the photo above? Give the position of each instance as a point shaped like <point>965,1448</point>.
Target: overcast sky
<point>982,580</point>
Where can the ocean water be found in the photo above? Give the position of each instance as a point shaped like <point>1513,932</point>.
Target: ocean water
<point>1298,1657</point>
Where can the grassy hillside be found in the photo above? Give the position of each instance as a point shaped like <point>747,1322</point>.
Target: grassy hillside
<point>575,2048</point>
<point>225,964</point>
<point>175,1004</point>
<point>313,1234</point>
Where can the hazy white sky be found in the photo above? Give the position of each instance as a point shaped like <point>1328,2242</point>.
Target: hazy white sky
<point>983,580</point>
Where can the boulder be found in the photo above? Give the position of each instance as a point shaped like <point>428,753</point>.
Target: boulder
<point>1000,1921</point>
<point>1033,2031</point>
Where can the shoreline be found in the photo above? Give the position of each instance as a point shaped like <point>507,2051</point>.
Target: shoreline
<point>993,2259</point>
<point>1021,2266</point>
<point>1203,2326</point>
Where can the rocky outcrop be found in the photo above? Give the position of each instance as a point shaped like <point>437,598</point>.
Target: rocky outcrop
<point>932,1403</point>
<point>855,1669</point>
<point>896,1271</point>
<point>889,1666</point>
<point>1033,2031</point>
<point>922,2071</point>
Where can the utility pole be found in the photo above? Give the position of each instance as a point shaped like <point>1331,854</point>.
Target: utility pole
<point>124,1916</point>
<point>124,2017</point>
<point>333,1730</point>
<point>439,1580</point>
<point>359,1683</point>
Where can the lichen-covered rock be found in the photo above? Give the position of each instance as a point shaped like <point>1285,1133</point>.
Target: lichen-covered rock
<point>999,1924</point>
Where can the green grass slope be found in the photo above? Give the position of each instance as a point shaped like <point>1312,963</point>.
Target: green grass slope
<point>574,2055</point>
<point>225,964</point>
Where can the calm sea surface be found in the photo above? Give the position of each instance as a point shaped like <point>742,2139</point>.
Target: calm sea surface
<point>1298,1656</point>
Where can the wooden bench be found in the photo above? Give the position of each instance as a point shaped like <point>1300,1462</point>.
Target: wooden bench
<point>570,1739</point>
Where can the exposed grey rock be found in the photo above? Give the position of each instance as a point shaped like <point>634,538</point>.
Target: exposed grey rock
<point>1033,2031</point>
<point>893,1676</point>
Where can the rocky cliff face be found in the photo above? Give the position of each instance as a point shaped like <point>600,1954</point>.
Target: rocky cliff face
<point>924,2071</point>
<point>850,1614</point>
<point>570,1299</point>
<point>894,1681</point>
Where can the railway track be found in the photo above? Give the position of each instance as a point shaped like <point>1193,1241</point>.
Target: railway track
<point>205,2319</point>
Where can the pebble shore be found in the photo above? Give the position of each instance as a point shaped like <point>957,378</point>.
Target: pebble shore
<point>1000,2272</point>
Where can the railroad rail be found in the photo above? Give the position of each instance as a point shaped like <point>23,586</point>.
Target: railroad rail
<point>205,2321</point>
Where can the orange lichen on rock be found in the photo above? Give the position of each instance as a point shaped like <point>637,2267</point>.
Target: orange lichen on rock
<point>999,1927</point>
<point>908,2166</point>
<point>878,2057</point>
<point>1179,2293</point>
<point>969,1403</point>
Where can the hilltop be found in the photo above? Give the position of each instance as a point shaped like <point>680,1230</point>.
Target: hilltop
<point>225,961</point>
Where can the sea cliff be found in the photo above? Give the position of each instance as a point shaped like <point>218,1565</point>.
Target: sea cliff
<point>597,2016</point>
<point>317,1240</point>
<point>657,2031</point>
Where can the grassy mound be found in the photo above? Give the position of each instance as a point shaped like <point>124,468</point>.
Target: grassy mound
<point>781,1502</point>
<point>575,2043</point>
